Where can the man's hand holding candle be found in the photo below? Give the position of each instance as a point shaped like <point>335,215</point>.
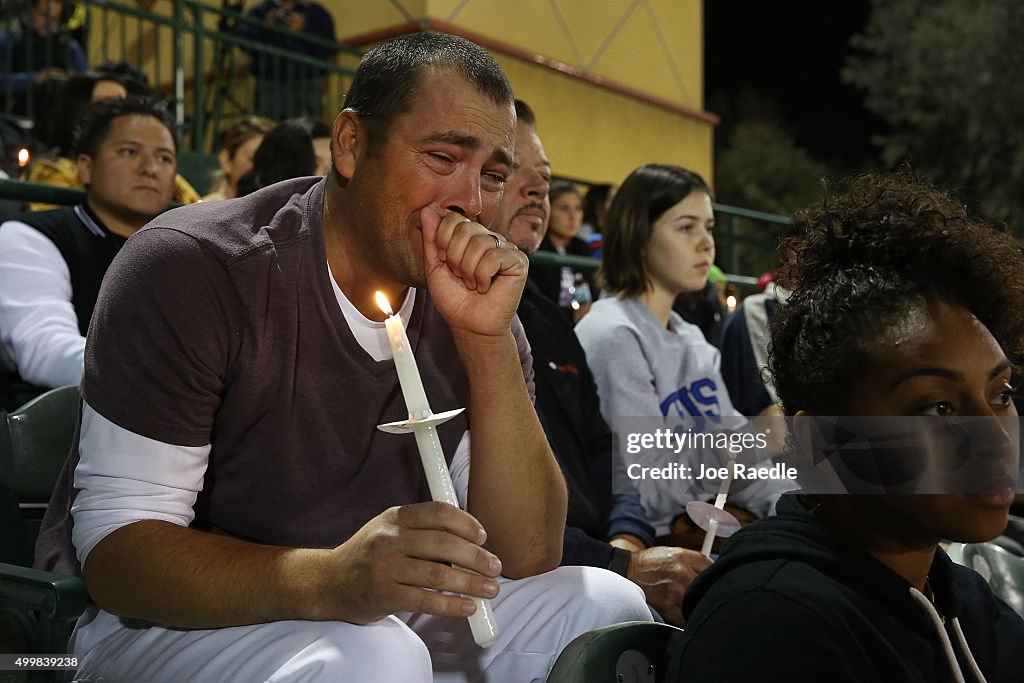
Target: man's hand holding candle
<point>399,562</point>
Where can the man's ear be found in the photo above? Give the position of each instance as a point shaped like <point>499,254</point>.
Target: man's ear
<point>84,169</point>
<point>348,139</point>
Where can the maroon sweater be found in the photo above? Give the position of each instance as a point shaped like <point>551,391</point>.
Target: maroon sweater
<point>218,324</point>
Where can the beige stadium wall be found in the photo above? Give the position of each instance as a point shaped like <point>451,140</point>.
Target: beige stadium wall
<point>615,83</point>
<point>596,135</point>
<point>113,36</point>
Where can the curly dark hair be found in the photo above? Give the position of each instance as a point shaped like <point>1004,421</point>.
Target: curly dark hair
<point>864,258</point>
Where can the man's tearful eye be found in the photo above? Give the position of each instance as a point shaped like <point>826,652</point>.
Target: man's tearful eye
<point>492,180</point>
<point>440,162</point>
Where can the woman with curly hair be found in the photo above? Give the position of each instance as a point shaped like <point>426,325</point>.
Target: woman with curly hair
<point>647,361</point>
<point>903,306</point>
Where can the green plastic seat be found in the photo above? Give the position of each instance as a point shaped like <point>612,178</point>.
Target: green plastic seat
<point>1003,570</point>
<point>630,652</point>
<point>37,609</point>
<point>198,169</point>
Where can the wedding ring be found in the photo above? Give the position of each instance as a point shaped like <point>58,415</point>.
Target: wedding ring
<point>497,241</point>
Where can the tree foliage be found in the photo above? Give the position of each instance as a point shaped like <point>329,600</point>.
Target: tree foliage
<point>761,167</point>
<point>944,76</point>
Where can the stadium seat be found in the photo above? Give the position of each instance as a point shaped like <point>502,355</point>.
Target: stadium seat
<point>631,652</point>
<point>37,609</point>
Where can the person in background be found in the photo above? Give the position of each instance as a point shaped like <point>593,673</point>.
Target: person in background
<point>744,344</point>
<point>595,212</point>
<point>286,152</point>
<point>60,167</point>
<point>134,79</point>
<point>903,305</point>
<point>285,88</point>
<point>233,507</point>
<point>705,308</point>
<point>75,96</point>
<point>572,289</point>
<point>603,529</point>
<point>647,361</point>
<point>236,155</point>
<point>52,262</point>
<point>57,166</point>
<point>36,56</point>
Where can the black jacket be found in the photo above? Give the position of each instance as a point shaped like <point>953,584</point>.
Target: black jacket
<point>790,599</point>
<point>88,254</point>
<point>549,277</point>
<point>570,412</point>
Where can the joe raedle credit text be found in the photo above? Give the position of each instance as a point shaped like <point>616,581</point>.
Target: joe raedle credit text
<point>703,456</point>
<point>703,472</point>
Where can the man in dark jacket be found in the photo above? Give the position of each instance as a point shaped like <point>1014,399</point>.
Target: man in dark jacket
<point>604,529</point>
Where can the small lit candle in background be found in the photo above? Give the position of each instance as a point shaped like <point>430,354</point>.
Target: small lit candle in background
<point>730,302</point>
<point>422,422</point>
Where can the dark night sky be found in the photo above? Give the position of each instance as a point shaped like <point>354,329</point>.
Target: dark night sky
<point>791,52</point>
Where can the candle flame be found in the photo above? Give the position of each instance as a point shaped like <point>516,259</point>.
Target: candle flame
<point>382,301</point>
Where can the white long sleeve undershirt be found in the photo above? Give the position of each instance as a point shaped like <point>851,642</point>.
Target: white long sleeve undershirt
<point>38,324</point>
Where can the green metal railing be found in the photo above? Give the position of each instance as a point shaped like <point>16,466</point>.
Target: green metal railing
<point>746,240</point>
<point>20,191</point>
<point>745,282</point>
<point>223,46</point>
<point>205,70</point>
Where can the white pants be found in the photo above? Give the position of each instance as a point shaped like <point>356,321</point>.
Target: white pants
<point>537,617</point>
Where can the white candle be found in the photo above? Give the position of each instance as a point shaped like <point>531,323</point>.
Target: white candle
<point>709,538</point>
<point>439,479</point>
<point>405,363</point>
<point>723,493</point>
